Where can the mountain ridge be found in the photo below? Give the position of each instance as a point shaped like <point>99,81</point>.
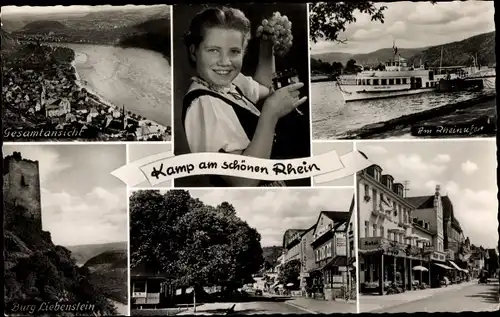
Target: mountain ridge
<point>82,253</point>
<point>454,53</point>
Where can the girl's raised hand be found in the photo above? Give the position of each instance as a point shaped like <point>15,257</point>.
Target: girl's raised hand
<point>277,29</point>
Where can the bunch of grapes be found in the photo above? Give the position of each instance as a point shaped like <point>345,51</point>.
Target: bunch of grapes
<point>277,29</point>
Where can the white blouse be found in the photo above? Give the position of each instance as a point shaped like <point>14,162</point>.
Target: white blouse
<point>212,125</point>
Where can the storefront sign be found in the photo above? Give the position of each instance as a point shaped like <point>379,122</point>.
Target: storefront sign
<point>438,257</point>
<point>371,243</point>
<point>340,244</point>
<point>428,250</point>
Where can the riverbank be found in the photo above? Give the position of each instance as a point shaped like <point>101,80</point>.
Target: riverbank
<point>461,113</point>
<point>165,131</point>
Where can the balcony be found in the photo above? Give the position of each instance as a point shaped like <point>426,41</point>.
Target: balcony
<point>390,247</point>
<point>379,214</point>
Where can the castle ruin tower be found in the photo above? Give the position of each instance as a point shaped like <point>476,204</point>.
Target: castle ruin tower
<point>21,189</point>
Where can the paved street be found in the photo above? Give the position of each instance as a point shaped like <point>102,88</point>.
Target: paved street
<point>275,305</point>
<point>454,298</point>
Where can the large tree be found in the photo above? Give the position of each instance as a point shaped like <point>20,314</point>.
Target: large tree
<point>290,272</point>
<point>328,19</point>
<point>191,243</point>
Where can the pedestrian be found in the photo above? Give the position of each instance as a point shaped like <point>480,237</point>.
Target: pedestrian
<point>221,111</point>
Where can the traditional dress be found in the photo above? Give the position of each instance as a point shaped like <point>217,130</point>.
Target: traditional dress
<point>222,119</point>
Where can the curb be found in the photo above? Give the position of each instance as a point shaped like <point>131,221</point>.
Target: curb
<point>302,308</point>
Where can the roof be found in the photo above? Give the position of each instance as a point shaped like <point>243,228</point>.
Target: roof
<point>337,215</point>
<point>290,233</point>
<point>421,202</point>
<point>309,229</point>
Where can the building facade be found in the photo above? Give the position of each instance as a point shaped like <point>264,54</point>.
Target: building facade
<point>291,244</point>
<point>388,247</point>
<point>330,245</point>
<point>307,257</point>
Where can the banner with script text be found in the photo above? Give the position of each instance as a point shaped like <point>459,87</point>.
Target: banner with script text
<point>159,168</point>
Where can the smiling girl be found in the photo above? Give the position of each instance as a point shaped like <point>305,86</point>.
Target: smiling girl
<point>220,112</point>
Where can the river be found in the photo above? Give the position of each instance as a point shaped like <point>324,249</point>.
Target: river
<point>137,78</point>
<point>332,117</point>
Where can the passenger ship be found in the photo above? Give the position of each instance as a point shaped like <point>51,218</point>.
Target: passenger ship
<point>398,79</point>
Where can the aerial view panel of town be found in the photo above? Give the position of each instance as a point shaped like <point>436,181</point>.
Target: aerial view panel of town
<point>86,73</point>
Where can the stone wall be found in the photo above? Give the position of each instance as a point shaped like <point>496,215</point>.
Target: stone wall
<point>22,186</point>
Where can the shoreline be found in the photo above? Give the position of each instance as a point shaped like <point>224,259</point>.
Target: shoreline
<point>401,126</point>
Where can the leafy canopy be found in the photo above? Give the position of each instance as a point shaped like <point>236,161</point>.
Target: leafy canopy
<point>328,19</point>
<point>190,243</point>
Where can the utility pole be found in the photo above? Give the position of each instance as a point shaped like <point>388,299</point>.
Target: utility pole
<point>406,189</point>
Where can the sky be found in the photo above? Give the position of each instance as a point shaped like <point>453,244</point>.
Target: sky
<point>465,170</point>
<point>341,147</point>
<point>413,25</point>
<point>273,211</point>
<point>62,9</point>
<point>82,203</point>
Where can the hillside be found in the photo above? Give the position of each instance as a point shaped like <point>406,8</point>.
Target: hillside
<point>42,27</point>
<point>109,272</point>
<point>38,271</point>
<point>82,253</point>
<point>454,54</point>
<point>153,35</point>
<point>460,53</point>
<point>8,43</point>
<point>333,57</point>
<point>271,254</point>
<point>383,55</point>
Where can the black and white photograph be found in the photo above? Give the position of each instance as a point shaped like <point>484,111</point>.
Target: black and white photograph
<point>86,73</point>
<point>137,152</point>
<point>244,252</point>
<point>244,85</point>
<point>342,148</point>
<point>65,231</point>
<point>428,227</point>
<point>403,70</point>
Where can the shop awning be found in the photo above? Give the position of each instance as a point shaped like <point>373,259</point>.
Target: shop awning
<point>443,266</point>
<point>336,261</point>
<point>455,266</point>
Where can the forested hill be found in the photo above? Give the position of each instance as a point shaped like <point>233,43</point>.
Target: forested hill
<point>153,35</point>
<point>454,54</point>
<point>41,26</point>
<point>460,53</point>
<point>271,255</point>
